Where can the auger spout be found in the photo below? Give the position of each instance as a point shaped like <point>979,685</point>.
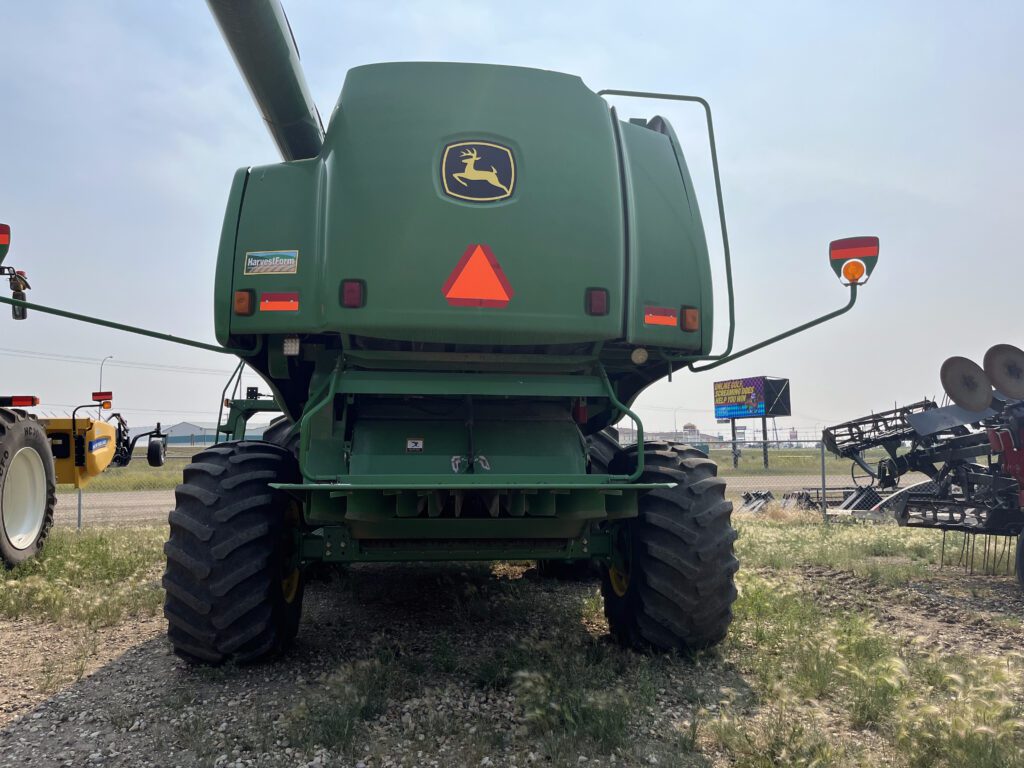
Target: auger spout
<point>261,41</point>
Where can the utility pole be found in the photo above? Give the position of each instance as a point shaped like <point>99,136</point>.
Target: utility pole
<point>99,408</point>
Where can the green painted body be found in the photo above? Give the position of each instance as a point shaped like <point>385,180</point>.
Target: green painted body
<point>427,428</point>
<point>461,430</point>
<point>597,203</point>
<point>432,429</point>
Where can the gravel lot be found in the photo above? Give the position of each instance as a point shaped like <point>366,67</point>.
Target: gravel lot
<point>445,637</point>
<point>441,647</point>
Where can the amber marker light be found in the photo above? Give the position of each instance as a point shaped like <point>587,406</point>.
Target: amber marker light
<point>245,302</point>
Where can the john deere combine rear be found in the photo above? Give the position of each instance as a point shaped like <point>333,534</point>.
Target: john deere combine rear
<point>454,294</point>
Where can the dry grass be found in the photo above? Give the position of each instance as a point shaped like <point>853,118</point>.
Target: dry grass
<point>809,665</point>
<point>801,681</point>
<point>93,577</point>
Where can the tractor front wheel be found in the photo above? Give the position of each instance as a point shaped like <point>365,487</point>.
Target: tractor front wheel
<point>233,585</point>
<point>670,583</point>
<point>27,490</point>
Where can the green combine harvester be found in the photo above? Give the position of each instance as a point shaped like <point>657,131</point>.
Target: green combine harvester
<point>454,293</point>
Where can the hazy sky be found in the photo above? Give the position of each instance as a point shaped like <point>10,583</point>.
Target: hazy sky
<point>121,124</point>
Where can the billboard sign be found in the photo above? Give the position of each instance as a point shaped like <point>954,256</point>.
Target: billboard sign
<point>752,398</point>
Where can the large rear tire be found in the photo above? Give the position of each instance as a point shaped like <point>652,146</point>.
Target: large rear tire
<point>233,587</point>
<point>27,488</point>
<point>670,585</point>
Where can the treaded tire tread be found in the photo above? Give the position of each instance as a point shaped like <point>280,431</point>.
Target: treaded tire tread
<point>226,553</point>
<point>681,585</point>
<point>19,426</point>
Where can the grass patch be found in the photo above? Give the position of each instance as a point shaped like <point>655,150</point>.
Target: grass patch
<point>930,710</point>
<point>881,554</point>
<point>586,694</point>
<point>357,692</point>
<point>58,671</point>
<point>92,577</point>
<point>785,461</point>
<point>781,737</point>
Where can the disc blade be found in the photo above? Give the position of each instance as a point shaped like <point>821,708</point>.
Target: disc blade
<point>1004,366</point>
<point>966,384</point>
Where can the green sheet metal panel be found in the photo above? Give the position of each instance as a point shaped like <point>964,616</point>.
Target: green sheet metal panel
<point>277,251</point>
<point>380,212</point>
<point>668,267</point>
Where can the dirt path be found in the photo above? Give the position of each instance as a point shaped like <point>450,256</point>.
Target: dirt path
<point>38,658</point>
<point>952,612</point>
<point>114,508</point>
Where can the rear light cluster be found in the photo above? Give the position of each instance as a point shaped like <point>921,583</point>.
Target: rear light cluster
<point>353,294</point>
<point>245,302</point>
<point>684,318</point>
<point>689,319</point>
<point>19,401</point>
<point>597,301</point>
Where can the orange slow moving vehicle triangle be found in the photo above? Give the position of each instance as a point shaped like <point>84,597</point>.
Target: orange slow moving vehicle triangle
<point>477,280</point>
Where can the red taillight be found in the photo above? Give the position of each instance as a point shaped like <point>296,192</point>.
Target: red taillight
<point>244,302</point>
<point>690,320</point>
<point>99,397</point>
<point>597,301</point>
<point>353,294</point>
<point>579,412</point>
<point>853,248</point>
<point>19,401</point>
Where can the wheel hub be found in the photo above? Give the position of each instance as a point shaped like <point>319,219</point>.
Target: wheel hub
<point>290,586</point>
<point>622,555</point>
<point>24,498</point>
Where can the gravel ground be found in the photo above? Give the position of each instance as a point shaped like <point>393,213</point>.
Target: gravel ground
<point>443,641</point>
<point>428,655</point>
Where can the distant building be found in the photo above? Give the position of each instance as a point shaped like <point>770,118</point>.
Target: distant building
<point>196,432</point>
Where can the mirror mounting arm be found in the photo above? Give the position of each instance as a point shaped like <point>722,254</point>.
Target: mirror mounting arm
<point>781,336</point>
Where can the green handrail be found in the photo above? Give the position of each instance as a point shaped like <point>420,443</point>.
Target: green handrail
<point>718,195</point>
<point>620,406</point>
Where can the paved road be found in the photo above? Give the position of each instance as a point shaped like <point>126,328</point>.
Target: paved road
<point>148,507</point>
<point>131,507</point>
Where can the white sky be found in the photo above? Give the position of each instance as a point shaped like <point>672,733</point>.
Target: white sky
<point>121,124</point>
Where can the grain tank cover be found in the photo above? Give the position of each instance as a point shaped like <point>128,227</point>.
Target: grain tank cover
<point>473,204</point>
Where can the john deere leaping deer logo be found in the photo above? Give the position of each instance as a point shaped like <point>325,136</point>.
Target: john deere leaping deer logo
<point>478,171</point>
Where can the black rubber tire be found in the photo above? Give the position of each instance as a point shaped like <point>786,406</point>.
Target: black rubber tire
<point>228,554</point>
<point>601,449</point>
<point>156,452</point>
<point>20,430</point>
<point>680,589</point>
<point>279,432</point>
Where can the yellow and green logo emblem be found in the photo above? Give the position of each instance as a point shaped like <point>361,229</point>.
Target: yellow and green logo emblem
<point>478,171</point>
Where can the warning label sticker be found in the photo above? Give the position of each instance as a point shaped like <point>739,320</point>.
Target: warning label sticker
<point>271,263</point>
